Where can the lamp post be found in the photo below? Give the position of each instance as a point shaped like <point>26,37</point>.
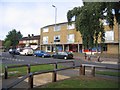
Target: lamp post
<point>55,23</point>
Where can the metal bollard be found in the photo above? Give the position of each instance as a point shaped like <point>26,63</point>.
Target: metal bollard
<point>6,72</point>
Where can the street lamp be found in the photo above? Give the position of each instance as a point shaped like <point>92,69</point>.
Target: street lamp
<point>55,22</point>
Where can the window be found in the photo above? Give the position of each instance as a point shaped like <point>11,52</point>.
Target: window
<point>48,48</point>
<point>45,29</point>
<point>72,26</point>
<point>109,35</point>
<point>57,28</point>
<point>105,22</point>
<point>57,38</point>
<point>45,40</point>
<point>70,38</point>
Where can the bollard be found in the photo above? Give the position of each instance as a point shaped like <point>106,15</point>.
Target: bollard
<point>73,65</point>
<point>83,69</point>
<point>80,71</point>
<point>98,58</point>
<point>6,72</point>
<point>30,80</point>
<point>89,58</point>
<point>55,65</point>
<point>85,56</point>
<point>54,76</point>
<point>93,71</point>
<point>28,70</point>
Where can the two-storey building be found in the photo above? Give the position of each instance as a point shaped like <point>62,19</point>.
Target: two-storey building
<point>66,38</point>
<point>30,41</point>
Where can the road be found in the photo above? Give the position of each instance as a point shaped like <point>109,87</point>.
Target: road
<point>7,59</point>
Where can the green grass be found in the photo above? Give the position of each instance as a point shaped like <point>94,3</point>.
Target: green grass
<point>23,70</point>
<point>83,82</point>
<point>109,73</point>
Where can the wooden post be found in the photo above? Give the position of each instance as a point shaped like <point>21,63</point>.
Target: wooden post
<point>55,65</point>
<point>98,58</point>
<point>54,76</point>
<point>6,72</point>
<point>28,70</point>
<point>83,69</point>
<point>73,65</point>
<point>85,56</point>
<point>30,80</point>
<point>89,58</point>
<point>93,71</point>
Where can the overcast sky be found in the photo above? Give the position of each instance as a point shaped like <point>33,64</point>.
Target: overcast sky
<point>28,16</point>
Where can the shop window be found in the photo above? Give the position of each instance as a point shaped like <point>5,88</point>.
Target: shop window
<point>48,48</point>
<point>105,47</point>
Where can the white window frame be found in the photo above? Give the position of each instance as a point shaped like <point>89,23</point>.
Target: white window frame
<point>70,38</point>
<point>45,40</point>
<point>72,26</point>
<point>46,29</point>
<point>109,36</point>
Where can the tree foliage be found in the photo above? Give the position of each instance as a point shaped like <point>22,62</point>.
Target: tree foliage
<point>12,39</point>
<point>88,20</point>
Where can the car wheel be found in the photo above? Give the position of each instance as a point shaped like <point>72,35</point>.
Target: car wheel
<point>65,58</point>
<point>35,55</point>
<point>43,56</point>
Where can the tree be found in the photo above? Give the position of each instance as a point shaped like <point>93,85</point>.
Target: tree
<point>88,20</point>
<point>12,39</point>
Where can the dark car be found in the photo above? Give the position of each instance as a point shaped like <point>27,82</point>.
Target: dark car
<point>14,51</point>
<point>41,53</point>
<point>63,55</point>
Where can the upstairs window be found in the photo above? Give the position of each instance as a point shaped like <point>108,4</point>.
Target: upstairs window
<point>45,40</point>
<point>58,27</point>
<point>45,30</point>
<point>72,26</point>
<point>105,22</point>
<point>109,35</point>
<point>57,38</point>
<point>71,38</point>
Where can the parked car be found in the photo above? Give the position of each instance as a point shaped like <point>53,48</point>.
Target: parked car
<point>27,51</point>
<point>41,53</point>
<point>63,55</point>
<point>14,51</point>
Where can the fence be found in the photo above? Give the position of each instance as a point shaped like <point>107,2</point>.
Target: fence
<point>29,66</point>
<point>54,75</point>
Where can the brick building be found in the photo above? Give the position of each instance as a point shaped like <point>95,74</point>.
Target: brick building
<point>30,41</point>
<point>66,38</point>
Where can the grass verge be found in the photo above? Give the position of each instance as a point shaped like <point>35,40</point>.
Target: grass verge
<point>83,82</point>
<point>23,70</point>
<point>109,73</point>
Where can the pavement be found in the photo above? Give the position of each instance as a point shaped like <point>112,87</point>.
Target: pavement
<point>95,59</point>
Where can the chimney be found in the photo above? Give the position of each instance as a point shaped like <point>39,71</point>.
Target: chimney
<point>32,35</point>
<point>28,35</point>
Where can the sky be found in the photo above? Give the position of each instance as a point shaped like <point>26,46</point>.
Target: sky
<point>28,16</point>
